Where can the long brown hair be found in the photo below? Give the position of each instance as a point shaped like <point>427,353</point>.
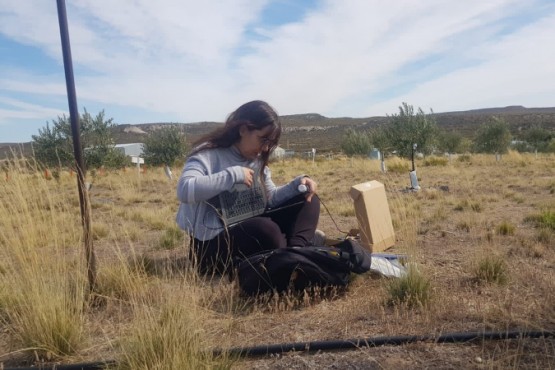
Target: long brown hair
<point>256,115</point>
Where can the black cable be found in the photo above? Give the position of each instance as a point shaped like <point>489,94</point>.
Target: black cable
<point>310,347</point>
<point>265,350</point>
<point>100,365</point>
<point>329,214</point>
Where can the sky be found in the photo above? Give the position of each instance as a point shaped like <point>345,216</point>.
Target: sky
<point>144,61</point>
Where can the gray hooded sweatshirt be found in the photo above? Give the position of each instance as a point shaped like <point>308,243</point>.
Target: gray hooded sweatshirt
<point>208,173</point>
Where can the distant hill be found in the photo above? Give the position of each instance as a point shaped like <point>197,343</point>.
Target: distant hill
<point>311,130</point>
<point>510,110</point>
<point>517,117</point>
<point>300,131</point>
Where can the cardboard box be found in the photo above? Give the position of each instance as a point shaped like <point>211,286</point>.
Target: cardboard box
<point>372,213</point>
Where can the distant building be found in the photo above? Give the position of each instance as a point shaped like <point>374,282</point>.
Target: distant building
<point>278,153</point>
<point>289,153</point>
<point>131,149</point>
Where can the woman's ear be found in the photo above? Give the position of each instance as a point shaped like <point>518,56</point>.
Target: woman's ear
<point>243,129</point>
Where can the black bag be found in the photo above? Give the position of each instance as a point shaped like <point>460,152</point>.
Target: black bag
<point>297,268</point>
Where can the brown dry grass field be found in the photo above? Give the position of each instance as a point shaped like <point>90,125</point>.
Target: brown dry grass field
<point>480,233</point>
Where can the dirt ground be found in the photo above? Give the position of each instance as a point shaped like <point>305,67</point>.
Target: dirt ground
<point>454,221</point>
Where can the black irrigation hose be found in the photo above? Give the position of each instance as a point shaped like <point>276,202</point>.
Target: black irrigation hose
<point>100,365</point>
<point>265,350</point>
<point>381,341</point>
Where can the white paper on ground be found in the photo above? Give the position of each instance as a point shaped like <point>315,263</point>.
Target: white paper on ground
<point>387,267</point>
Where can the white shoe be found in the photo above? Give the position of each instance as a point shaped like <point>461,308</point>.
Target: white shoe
<point>319,239</point>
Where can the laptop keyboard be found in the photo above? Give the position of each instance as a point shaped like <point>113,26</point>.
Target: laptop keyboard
<point>242,204</point>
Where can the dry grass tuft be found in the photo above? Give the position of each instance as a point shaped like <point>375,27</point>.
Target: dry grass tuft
<point>120,281</point>
<point>397,165</point>
<point>505,228</point>
<point>169,335</point>
<point>435,161</point>
<point>43,289</point>
<point>412,290</point>
<point>546,219</point>
<point>491,269</point>
<point>172,238</point>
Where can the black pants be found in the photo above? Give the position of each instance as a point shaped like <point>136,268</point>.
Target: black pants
<point>292,224</point>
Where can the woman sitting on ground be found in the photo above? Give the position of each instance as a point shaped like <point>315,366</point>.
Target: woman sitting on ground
<point>228,159</point>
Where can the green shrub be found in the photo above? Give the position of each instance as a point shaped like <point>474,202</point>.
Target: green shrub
<point>466,158</point>
<point>491,269</point>
<point>475,206</point>
<point>545,236</point>
<point>398,166</point>
<point>414,289</point>
<point>505,228</point>
<point>545,219</point>
<point>436,161</point>
<point>172,238</point>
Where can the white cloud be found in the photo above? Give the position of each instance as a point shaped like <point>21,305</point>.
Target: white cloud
<point>32,23</point>
<point>18,109</point>
<point>517,69</point>
<point>349,48</point>
<point>35,85</point>
<point>196,60</point>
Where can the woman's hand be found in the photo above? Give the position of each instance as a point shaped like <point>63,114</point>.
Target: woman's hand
<point>312,187</point>
<point>249,176</point>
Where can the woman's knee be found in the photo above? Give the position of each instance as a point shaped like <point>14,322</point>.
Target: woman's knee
<point>314,204</point>
<point>269,234</point>
<point>263,234</point>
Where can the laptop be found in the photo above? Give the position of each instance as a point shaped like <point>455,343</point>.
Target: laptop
<point>240,203</point>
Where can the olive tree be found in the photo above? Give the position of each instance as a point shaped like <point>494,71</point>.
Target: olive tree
<point>98,142</point>
<point>450,142</point>
<point>53,146</point>
<point>379,138</point>
<point>164,146</point>
<point>356,143</point>
<point>412,127</point>
<point>538,138</point>
<point>493,137</point>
